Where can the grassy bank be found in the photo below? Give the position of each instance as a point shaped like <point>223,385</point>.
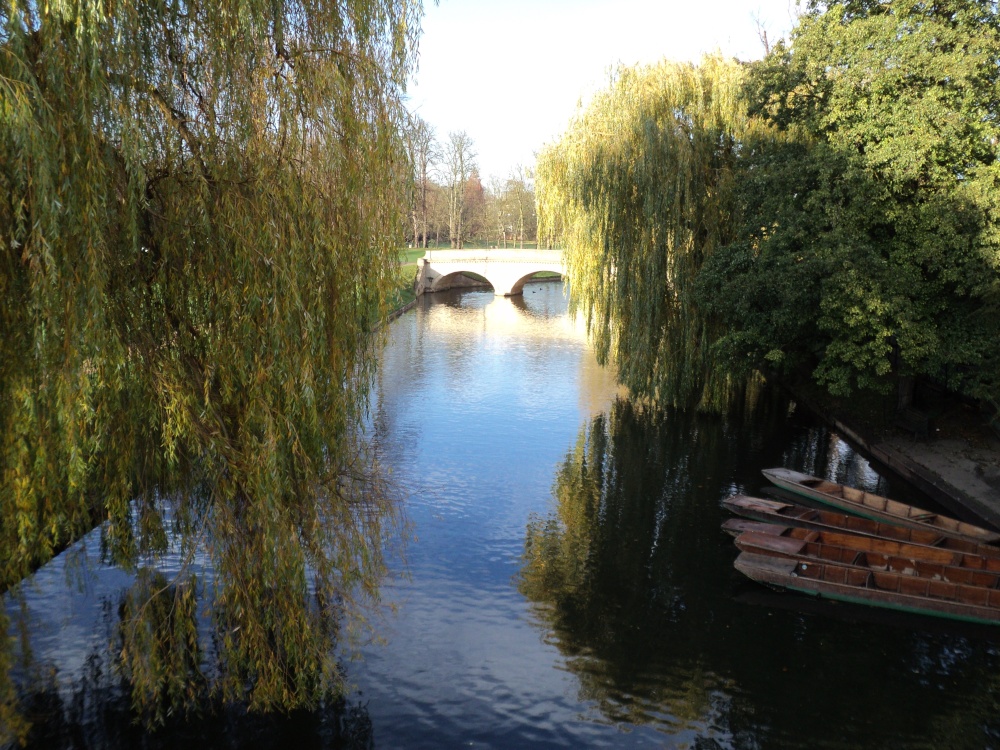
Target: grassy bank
<point>408,257</point>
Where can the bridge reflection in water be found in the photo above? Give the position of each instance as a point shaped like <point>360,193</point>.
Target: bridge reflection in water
<point>549,347</point>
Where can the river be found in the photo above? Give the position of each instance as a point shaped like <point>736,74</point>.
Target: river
<point>566,583</point>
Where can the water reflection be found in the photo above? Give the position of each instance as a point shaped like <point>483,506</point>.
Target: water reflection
<point>633,582</point>
<point>103,657</point>
<point>152,628</point>
<point>503,362</point>
<point>567,584</point>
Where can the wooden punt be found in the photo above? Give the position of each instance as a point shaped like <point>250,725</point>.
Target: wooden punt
<point>876,507</point>
<point>877,588</point>
<point>869,553</point>
<point>790,514</point>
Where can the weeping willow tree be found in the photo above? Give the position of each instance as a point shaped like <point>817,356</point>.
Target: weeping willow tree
<point>199,216</point>
<point>642,184</point>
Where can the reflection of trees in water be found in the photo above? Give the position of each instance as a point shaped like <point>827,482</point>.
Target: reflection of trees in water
<point>153,666</point>
<point>604,561</point>
<point>160,654</point>
<point>633,581</point>
<point>277,584</point>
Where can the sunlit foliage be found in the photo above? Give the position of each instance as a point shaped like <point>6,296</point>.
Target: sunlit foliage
<point>160,651</point>
<point>869,248</point>
<point>642,183</point>
<point>829,212</point>
<point>199,219</point>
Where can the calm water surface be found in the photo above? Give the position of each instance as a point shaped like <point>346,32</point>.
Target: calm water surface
<point>567,584</point>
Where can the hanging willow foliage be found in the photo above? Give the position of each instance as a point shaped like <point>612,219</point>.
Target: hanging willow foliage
<point>642,185</point>
<point>199,216</point>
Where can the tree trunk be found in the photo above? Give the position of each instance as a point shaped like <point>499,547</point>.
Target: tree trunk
<point>905,387</point>
<point>423,208</point>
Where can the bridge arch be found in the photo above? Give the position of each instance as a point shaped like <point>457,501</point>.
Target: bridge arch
<point>455,280</point>
<point>507,271</point>
<point>518,286</point>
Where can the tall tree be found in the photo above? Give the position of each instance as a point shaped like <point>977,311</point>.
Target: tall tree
<point>870,254</point>
<point>199,216</point>
<point>830,211</point>
<point>423,150</point>
<point>459,163</point>
<point>474,208</point>
<point>496,207</point>
<point>521,197</point>
<point>643,181</point>
<point>438,198</point>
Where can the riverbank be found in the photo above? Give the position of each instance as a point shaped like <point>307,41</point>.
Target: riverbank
<point>957,463</point>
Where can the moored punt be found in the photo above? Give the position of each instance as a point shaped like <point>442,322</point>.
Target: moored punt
<point>790,514</point>
<point>823,550</point>
<point>877,507</point>
<point>865,543</point>
<point>736,526</point>
<point>877,588</point>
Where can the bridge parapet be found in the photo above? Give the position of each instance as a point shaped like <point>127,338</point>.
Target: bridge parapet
<point>493,256</point>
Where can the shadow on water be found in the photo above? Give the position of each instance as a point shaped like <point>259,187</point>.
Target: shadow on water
<point>100,708</point>
<point>97,718</point>
<point>632,580</point>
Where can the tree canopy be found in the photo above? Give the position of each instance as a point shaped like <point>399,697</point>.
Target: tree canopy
<point>200,211</point>
<point>871,205</point>
<point>642,185</point>
<point>836,219</point>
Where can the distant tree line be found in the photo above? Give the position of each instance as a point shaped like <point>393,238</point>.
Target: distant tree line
<point>451,206</point>
<point>830,212</point>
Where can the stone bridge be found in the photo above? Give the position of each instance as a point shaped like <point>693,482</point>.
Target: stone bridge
<point>506,270</point>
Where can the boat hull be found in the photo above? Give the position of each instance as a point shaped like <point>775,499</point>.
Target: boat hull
<point>879,589</point>
<point>876,507</point>
<point>870,554</point>
<point>789,514</point>
<point>860,543</point>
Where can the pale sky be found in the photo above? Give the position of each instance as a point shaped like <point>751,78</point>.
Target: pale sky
<point>511,72</point>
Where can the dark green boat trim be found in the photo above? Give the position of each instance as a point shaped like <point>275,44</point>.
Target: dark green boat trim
<point>896,607</point>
